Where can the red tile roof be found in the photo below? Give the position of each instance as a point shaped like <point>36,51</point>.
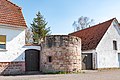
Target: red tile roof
<point>11,14</point>
<point>91,36</point>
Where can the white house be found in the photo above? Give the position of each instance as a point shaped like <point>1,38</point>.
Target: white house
<point>100,45</point>
<point>12,39</point>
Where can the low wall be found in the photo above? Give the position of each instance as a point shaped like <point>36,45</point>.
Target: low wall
<point>12,67</point>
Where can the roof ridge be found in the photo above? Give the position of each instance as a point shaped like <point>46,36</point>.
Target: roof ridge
<point>13,4</point>
<point>94,25</point>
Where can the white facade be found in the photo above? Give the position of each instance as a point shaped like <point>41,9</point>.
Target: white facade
<point>15,44</point>
<point>15,40</point>
<point>107,57</point>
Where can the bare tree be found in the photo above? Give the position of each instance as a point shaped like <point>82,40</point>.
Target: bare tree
<point>28,36</point>
<point>82,23</point>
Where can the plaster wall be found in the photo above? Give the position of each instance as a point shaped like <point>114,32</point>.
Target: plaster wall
<point>106,56</point>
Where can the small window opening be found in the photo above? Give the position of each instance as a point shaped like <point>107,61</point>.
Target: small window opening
<point>114,45</point>
<point>49,58</point>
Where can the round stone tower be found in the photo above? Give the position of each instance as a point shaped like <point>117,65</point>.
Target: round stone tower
<point>61,53</point>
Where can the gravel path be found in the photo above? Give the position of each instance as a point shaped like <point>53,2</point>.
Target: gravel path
<point>88,75</point>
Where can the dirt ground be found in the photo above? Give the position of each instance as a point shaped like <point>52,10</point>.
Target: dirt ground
<point>87,75</point>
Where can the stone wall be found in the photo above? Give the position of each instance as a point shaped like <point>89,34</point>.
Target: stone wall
<point>12,67</point>
<point>61,53</point>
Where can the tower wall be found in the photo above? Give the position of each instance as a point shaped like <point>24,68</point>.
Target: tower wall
<point>61,53</point>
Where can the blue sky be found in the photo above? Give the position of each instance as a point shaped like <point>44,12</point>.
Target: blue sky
<point>60,14</point>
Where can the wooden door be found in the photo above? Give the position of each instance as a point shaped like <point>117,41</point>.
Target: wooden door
<point>32,60</point>
<point>87,61</point>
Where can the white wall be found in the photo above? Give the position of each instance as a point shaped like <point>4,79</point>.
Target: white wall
<point>15,44</point>
<point>15,40</point>
<point>106,56</point>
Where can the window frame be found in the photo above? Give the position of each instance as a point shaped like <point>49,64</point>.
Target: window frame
<point>4,42</point>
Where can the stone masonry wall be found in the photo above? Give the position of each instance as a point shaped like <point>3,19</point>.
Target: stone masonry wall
<point>12,67</point>
<point>64,52</point>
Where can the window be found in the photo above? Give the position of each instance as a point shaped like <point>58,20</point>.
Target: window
<point>114,45</point>
<point>49,58</point>
<point>2,42</point>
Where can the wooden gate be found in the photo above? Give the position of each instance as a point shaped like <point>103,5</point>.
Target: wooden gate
<point>32,60</point>
<point>87,61</point>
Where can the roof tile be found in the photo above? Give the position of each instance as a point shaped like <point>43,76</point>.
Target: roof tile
<point>11,14</point>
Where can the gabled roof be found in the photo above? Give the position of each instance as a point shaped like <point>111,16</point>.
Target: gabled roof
<point>11,14</point>
<point>91,36</point>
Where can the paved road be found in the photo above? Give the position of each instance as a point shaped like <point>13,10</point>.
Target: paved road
<point>88,75</point>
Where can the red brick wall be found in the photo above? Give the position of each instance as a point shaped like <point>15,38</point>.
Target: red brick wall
<point>12,67</point>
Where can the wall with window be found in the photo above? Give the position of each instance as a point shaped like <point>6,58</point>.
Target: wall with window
<point>109,47</point>
<point>12,50</point>
<point>11,42</point>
